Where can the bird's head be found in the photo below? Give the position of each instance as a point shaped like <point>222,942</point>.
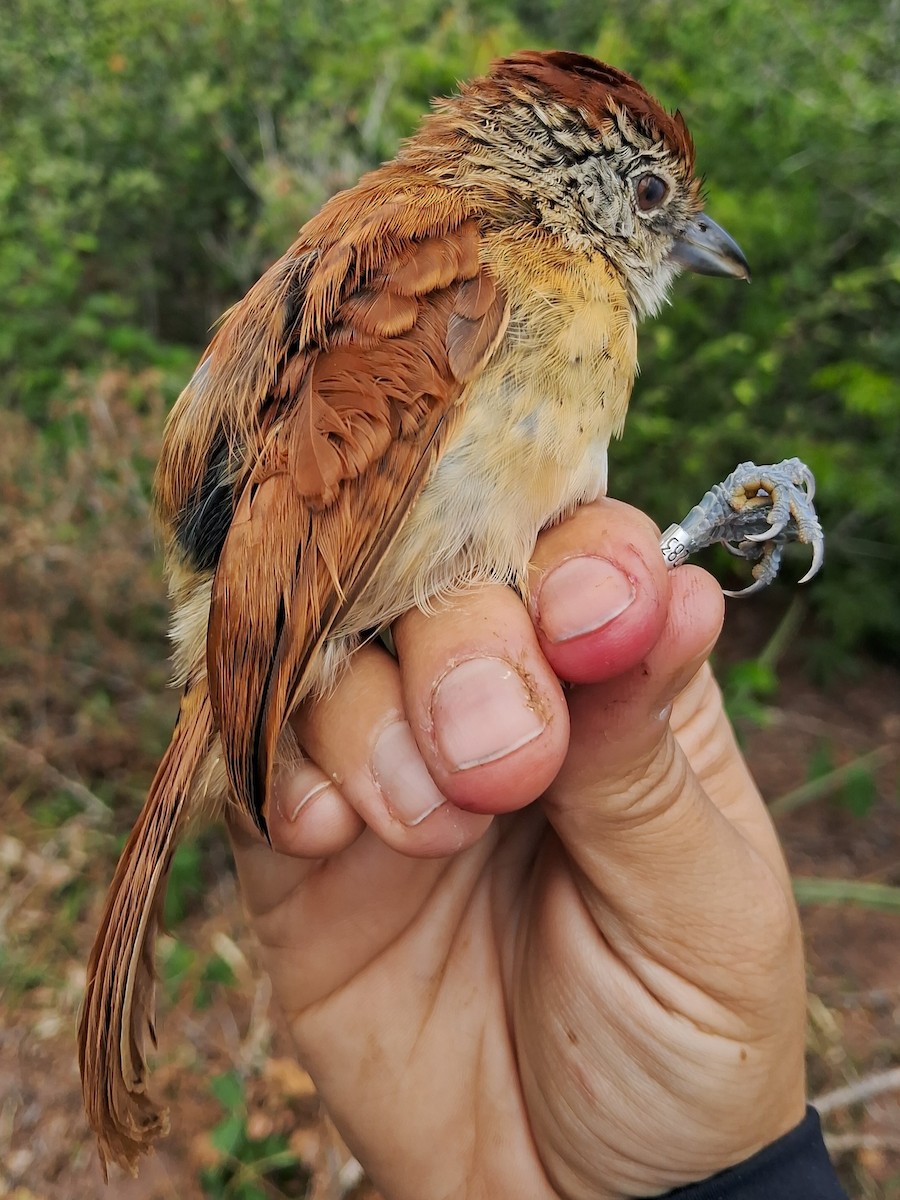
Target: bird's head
<point>580,148</point>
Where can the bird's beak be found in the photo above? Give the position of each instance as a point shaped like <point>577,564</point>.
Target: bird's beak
<point>707,249</point>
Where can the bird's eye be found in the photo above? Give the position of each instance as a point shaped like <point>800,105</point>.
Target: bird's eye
<point>651,191</point>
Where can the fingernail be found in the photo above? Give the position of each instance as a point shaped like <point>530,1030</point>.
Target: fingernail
<point>482,711</point>
<point>582,595</point>
<point>402,777</point>
<point>287,803</point>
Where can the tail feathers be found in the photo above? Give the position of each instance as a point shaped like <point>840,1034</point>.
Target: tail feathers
<point>118,1010</point>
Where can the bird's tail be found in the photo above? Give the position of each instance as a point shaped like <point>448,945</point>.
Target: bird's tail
<point>118,1010</point>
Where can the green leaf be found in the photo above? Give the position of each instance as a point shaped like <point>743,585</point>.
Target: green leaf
<point>228,1135</point>
<point>185,884</point>
<point>228,1089</point>
<point>859,792</point>
<point>215,972</point>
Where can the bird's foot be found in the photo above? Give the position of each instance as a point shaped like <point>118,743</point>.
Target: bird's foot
<point>754,513</point>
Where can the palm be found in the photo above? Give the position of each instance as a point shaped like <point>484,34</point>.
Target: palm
<point>465,1017</point>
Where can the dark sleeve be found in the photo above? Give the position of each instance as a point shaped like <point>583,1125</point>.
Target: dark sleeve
<point>796,1167</point>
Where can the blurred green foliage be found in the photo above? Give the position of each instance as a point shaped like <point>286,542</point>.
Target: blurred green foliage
<point>249,1168</point>
<point>153,159</point>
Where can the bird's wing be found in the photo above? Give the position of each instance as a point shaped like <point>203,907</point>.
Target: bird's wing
<point>352,420</point>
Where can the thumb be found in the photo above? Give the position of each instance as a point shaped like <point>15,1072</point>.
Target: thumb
<point>679,889</point>
<point>620,725</point>
<point>611,618</point>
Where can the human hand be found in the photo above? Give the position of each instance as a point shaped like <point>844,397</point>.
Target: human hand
<point>600,994</point>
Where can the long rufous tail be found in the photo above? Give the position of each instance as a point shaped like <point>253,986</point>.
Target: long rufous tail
<point>118,1010</point>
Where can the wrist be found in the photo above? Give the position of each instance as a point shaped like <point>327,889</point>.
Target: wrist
<point>794,1167</point>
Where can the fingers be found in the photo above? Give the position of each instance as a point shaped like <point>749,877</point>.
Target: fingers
<point>674,884</point>
<point>473,720</point>
<point>623,718</point>
<point>620,727</point>
<point>487,711</point>
<point>472,723</point>
<point>599,591</point>
<point>312,817</point>
<point>361,740</point>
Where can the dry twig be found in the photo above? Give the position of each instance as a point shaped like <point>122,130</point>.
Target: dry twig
<point>859,1092</point>
<point>847,1143</point>
<point>95,809</point>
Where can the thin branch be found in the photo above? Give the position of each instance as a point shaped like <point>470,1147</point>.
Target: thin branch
<point>859,1092</point>
<point>378,99</point>
<point>808,723</point>
<point>824,785</point>
<point>268,137</point>
<point>847,1143</point>
<point>785,633</point>
<point>236,157</point>
<point>812,890</point>
<point>96,809</point>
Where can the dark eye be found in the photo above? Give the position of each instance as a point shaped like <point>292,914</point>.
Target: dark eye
<point>651,191</point>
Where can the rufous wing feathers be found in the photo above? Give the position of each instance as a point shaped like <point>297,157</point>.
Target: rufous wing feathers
<point>353,430</point>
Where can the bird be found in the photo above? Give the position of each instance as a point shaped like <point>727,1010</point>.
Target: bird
<point>428,377</point>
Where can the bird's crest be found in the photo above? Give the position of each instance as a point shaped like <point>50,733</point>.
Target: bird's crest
<point>595,90</point>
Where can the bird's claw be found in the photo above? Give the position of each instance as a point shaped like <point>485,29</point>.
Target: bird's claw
<point>754,514</point>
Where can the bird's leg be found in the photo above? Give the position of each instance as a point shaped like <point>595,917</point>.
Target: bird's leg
<point>754,513</point>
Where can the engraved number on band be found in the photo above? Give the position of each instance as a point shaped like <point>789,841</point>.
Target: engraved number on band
<point>674,545</point>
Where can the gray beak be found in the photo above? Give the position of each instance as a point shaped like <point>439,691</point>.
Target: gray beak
<point>706,249</point>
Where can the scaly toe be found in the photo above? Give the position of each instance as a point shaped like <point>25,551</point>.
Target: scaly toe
<point>754,513</point>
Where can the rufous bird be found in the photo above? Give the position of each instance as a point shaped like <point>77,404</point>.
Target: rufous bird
<point>430,375</point>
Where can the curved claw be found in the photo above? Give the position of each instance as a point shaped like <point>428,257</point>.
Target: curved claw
<point>818,559</point>
<point>802,475</point>
<point>767,534</point>
<point>758,586</point>
<point>809,482</point>
<point>765,571</point>
<point>734,548</point>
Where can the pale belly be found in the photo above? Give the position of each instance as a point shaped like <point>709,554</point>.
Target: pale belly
<point>530,446</point>
<point>531,440</point>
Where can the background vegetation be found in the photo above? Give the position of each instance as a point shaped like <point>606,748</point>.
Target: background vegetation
<point>153,160</point>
